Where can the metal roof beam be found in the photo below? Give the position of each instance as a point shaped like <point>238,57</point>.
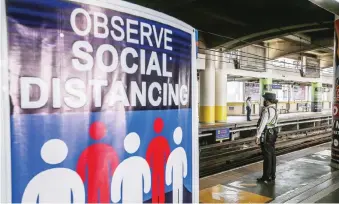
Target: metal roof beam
<point>274,33</point>
<point>298,38</point>
<point>284,48</point>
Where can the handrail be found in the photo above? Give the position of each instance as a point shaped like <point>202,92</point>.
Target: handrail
<point>253,127</point>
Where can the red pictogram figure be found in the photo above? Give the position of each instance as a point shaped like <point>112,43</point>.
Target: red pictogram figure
<point>157,154</point>
<point>99,161</point>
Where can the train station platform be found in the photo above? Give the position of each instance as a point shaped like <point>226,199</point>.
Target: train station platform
<point>304,176</point>
<point>282,117</point>
<point>241,121</point>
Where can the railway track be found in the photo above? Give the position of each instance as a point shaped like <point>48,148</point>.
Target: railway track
<point>228,155</point>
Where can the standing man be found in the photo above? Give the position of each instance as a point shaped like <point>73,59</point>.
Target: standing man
<point>267,133</point>
<point>248,108</point>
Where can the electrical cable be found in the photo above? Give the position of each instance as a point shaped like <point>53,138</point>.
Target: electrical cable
<point>229,58</point>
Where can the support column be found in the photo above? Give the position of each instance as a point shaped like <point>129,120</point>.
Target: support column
<point>265,86</point>
<point>207,90</point>
<point>220,90</point>
<point>335,114</point>
<point>317,98</point>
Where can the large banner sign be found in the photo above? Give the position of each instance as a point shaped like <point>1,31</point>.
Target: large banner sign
<point>101,99</point>
<point>311,67</point>
<point>335,135</point>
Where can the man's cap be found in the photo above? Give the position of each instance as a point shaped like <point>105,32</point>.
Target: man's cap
<point>269,96</point>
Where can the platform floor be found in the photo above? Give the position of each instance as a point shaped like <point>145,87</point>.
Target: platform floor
<point>241,121</point>
<point>302,177</point>
<point>287,116</point>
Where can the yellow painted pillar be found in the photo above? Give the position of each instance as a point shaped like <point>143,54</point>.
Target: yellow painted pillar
<point>317,97</point>
<point>220,89</point>
<point>207,90</point>
<point>265,85</point>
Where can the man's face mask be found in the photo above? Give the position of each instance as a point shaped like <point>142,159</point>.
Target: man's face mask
<point>265,103</point>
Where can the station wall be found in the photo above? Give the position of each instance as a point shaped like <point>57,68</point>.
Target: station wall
<point>236,98</point>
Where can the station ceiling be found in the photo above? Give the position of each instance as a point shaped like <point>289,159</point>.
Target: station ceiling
<point>236,23</point>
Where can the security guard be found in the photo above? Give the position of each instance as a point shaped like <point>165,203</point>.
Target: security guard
<point>267,134</point>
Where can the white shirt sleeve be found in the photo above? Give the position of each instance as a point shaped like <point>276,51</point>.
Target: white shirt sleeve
<point>263,122</point>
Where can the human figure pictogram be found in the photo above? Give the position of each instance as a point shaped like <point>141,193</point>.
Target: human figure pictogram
<point>157,154</point>
<point>336,25</point>
<point>100,161</point>
<point>176,168</point>
<point>133,174</point>
<point>56,185</point>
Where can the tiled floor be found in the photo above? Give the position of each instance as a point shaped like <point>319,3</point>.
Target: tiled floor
<point>298,174</point>
<point>220,193</point>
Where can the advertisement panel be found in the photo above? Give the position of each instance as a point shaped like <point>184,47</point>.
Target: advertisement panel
<point>222,134</point>
<point>102,103</point>
<point>252,90</point>
<point>299,92</point>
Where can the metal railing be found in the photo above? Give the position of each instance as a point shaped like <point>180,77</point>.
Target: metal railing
<point>297,122</point>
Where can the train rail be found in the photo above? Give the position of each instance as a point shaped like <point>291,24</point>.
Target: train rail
<point>220,157</point>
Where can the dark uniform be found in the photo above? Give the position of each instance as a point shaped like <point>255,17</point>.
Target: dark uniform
<point>267,132</point>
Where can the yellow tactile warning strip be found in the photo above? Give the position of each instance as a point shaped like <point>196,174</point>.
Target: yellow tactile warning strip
<point>224,194</point>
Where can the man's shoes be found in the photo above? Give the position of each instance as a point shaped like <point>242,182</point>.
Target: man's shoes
<point>264,180</point>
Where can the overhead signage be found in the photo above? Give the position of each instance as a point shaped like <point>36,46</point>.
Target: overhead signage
<point>276,86</point>
<point>102,104</point>
<point>311,67</point>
